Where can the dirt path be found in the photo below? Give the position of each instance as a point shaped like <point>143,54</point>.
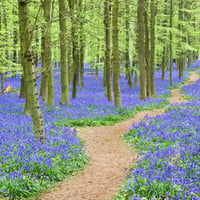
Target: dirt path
<point>176,96</point>
<point>110,159</point>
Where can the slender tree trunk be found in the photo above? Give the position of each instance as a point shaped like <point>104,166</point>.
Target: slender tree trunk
<point>24,40</point>
<point>63,51</point>
<point>163,63</point>
<point>127,57</point>
<point>181,52</point>
<point>171,38</point>
<point>28,63</point>
<point>1,72</point>
<point>107,51</point>
<point>43,85</point>
<point>153,13</point>
<point>141,50</point>
<point>82,52</point>
<point>136,74</point>
<point>116,61</point>
<point>75,53</point>
<point>70,62</point>
<point>104,74</point>
<point>2,82</point>
<point>15,38</point>
<point>164,45</point>
<point>147,54</point>
<point>97,62</point>
<point>6,49</point>
<point>47,51</point>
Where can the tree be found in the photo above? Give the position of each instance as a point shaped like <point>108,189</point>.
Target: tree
<point>127,56</point>
<point>152,60</point>
<point>171,37</point>
<point>115,50</point>
<point>141,50</point>
<point>46,4</point>
<point>28,63</point>
<point>63,49</point>
<point>147,53</point>
<point>107,50</point>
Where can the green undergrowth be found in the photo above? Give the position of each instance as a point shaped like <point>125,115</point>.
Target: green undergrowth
<point>122,114</point>
<point>187,97</point>
<point>194,69</point>
<point>180,84</point>
<point>166,96</point>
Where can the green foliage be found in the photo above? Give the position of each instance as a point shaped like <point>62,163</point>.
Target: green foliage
<point>122,114</point>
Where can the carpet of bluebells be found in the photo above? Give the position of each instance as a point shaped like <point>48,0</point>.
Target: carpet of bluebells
<point>169,146</point>
<point>192,92</point>
<point>91,107</point>
<point>27,166</point>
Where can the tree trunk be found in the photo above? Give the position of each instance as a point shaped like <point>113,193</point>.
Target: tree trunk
<point>47,51</point>
<point>164,45</point>
<point>43,85</point>
<point>1,72</point>
<point>116,61</point>
<point>22,13</point>
<point>141,50</point>
<point>171,37</point>
<point>63,51</point>
<point>127,57</point>
<point>28,63</point>
<point>153,13</point>
<point>147,59</point>
<point>107,51</point>
<point>82,50</point>
<point>163,63</point>
<point>2,82</point>
<point>15,38</point>
<point>75,53</point>
<point>97,62</point>
<point>181,52</point>
<point>22,88</point>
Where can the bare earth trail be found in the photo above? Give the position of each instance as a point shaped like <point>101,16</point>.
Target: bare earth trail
<point>110,159</point>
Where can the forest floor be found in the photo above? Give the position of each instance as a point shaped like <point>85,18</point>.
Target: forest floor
<point>110,157</point>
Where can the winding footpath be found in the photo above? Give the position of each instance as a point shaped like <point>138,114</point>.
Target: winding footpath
<point>110,159</point>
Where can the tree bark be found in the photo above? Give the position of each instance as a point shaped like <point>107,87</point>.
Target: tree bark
<point>171,37</point>
<point>147,54</point>
<point>82,52</point>
<point>2,82</point>
<point>97,62</point>
<point>29,67</point>
<point>181,52</point>
<point>15,38</point>
<point>63,51</point>
<point>116,61</point>
<point>141,50</point>
<point>47,51</point>
<point>24,41</point>
<point>153,13</point>
<point>44,84</point>
<point>127,57</point>
<point>75,53</point>
<point>107,51</point>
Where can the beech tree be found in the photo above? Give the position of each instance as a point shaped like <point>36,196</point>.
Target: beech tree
<point>141,51</point>
<point>107,50</point>
<point>27,58</point>
<point>115,51</point>
<point>63,49</point>
<point>46,56</point>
